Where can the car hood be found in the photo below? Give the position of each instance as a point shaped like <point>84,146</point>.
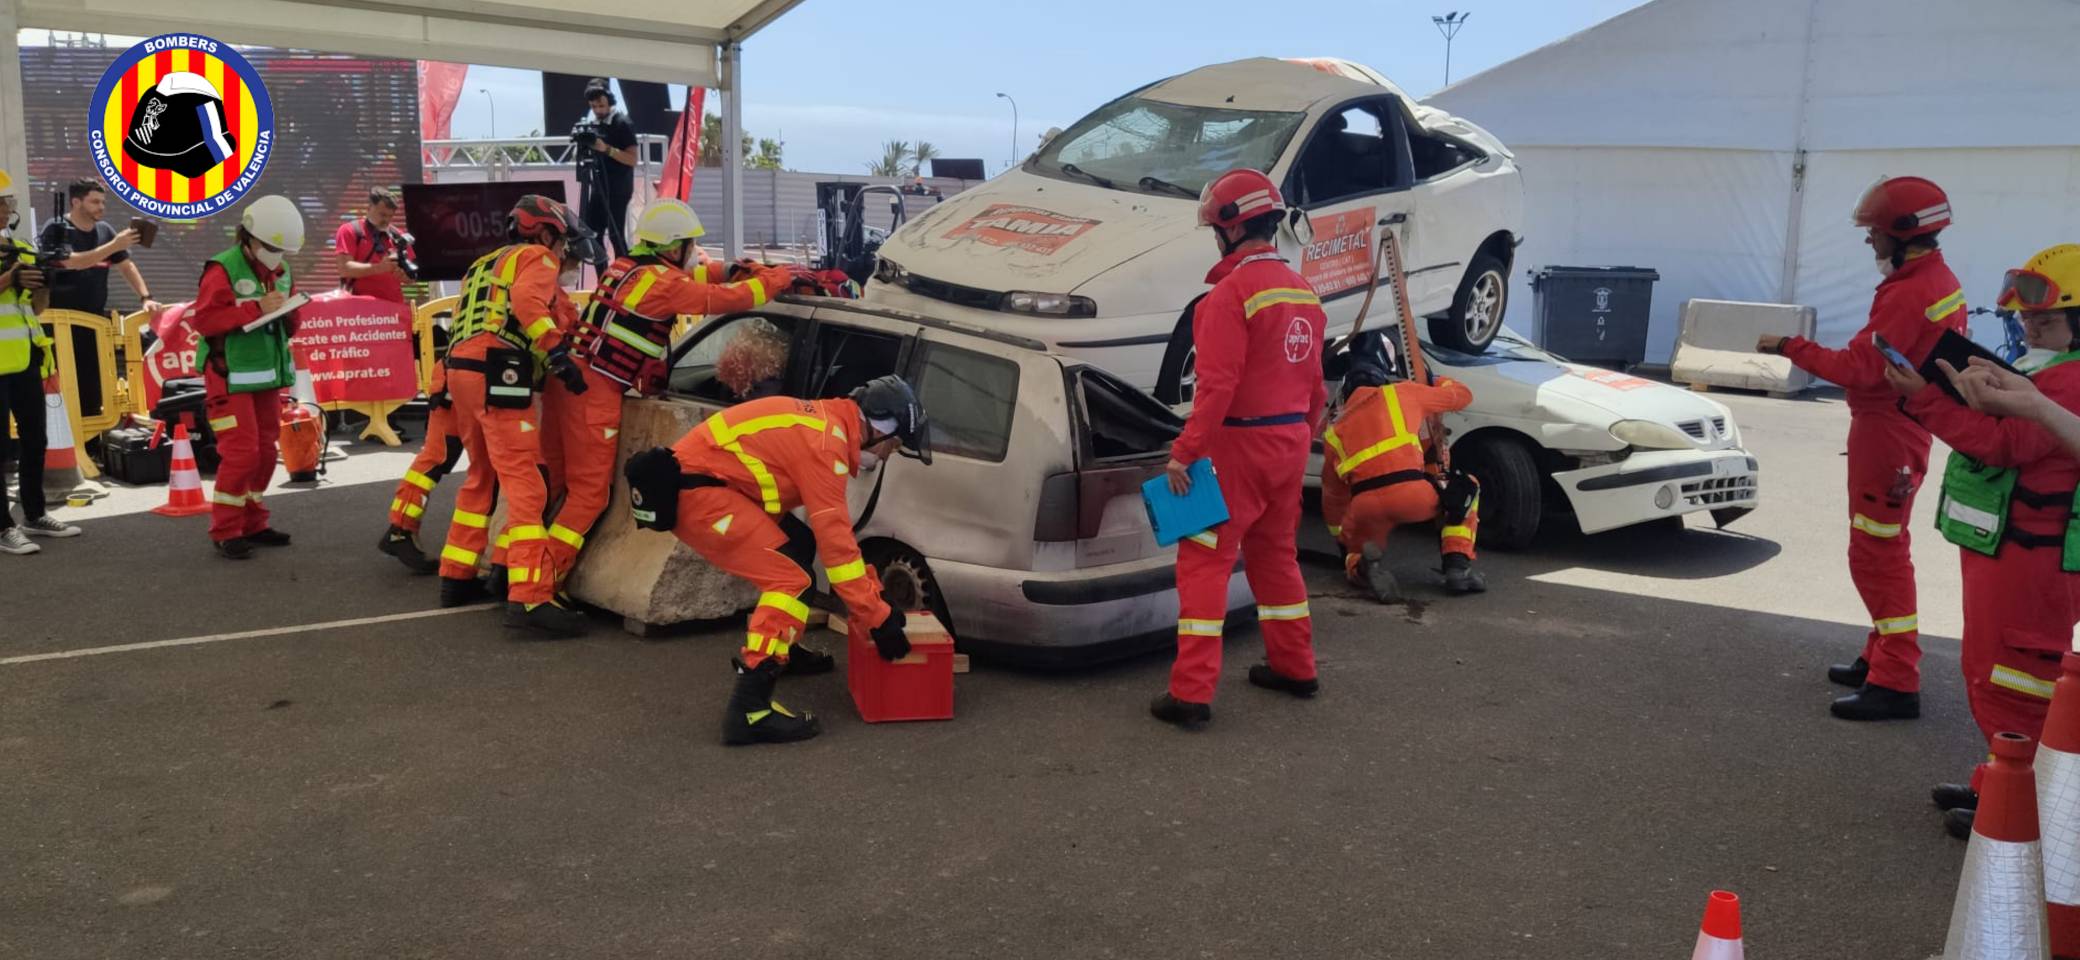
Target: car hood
<point>1537,385</point>
<point>1027,232</point>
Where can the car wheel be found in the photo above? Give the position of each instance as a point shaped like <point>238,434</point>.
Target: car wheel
<point>906,580</point>
<point>1477,308</point>
<point>1512,498</point>
<point>1176,380</point>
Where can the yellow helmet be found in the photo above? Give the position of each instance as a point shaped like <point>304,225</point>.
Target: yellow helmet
<point>6,184</point>
<point>666,222</point>
<point>2049,281</point>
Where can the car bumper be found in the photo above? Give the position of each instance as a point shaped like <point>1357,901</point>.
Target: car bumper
<point>1661,483</point>
<point>1068,611</point>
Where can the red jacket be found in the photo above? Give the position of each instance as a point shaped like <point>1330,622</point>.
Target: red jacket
<point>1259,341</point>
<point>216,310</point>
<point>2045,468</point>
<point>1911,310</point>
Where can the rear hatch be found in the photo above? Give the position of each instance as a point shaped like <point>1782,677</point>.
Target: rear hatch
<point>1123,438</point>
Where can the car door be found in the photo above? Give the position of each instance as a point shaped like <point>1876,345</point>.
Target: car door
<point>1351,173</point>
<point>1123,439</point>
<point>1446,216</point>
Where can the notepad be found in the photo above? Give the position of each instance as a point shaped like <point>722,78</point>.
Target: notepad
<point>1959,350</point>
<point>289,305</point>
<point>1175,518</point>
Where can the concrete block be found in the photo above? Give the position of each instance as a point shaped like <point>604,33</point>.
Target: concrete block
<point>1716,346</point>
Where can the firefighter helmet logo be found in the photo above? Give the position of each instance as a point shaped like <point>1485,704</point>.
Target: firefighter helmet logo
<point>180,126</point>
<point>635,496</point>
<point>509,377</point>
<point>1299,341</point>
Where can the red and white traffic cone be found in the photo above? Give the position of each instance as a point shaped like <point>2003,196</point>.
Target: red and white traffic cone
<point>2058,810</point>
<point>184,488</point>
<point>1719,936</point>
<point>1999,913</point>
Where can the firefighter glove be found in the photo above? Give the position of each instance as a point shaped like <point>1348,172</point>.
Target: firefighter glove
<point>889,638</point>
<point>566,369</point>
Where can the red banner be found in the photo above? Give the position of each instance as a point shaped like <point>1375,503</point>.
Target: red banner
<point>1340,258</point>
<point>357,349</point>
<point>172,356</point>
<point>440,88</point>
<point>684,154</point>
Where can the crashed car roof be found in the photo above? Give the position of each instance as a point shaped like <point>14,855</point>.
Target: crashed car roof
<point>1265,83</point>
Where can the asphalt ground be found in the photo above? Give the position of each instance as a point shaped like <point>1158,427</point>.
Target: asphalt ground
<point>1563,767</point>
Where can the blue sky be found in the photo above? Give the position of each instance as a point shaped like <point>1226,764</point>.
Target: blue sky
<point>836,80</point>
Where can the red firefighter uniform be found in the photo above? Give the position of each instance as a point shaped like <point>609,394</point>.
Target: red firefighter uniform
<point>506,323</point>
<point>2020,604</point>
<point>1888,454</point>
<point>243,376</point>
<point>1373,476</point>
<point>1258,334</point>
<point>438,456</point>
<point>771,456</point>
<point>624,334</point>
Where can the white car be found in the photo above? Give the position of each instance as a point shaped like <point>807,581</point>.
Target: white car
<point>1092,248</point>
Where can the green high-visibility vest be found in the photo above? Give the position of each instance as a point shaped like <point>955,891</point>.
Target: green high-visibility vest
<point>255,361</point>
<point>20,334</point>
<point>1973,509</point>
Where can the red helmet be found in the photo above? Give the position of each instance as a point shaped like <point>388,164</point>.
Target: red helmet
<point>1237,197</point>
<point>538,219</point>
<point>1904,208</point>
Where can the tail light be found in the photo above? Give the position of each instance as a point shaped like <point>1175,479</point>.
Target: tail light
<point>1058,517</point>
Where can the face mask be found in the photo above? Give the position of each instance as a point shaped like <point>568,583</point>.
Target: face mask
<point>1885,266</point>
<point>569,276</point>
<point>267,258</point>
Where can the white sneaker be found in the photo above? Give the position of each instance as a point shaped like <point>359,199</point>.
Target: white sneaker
<point>49,526</point>
<point>12,541</point>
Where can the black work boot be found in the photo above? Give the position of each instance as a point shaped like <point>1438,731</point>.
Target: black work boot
<point>753,716</point>
<point>1955,796</point>
<point>1262,675</point>
<point>1184,713</point>
<point>1850,674</point>
<point>235,548</point>
<point>545,618</point>
<point>399,542</point>
<point>1958,822</point>
<point>461,591</point>
<point>495,581</point>
<point>268,537</point>
<point>1459,576</point>
<point>804,662</point>
<point>1373,573</point>
<point>1873,702</point>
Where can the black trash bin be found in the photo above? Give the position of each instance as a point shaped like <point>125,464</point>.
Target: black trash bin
<point>1595,315</point>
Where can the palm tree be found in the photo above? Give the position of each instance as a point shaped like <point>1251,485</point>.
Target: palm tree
<point>894,153</point>
<point>920,155</point>
<point>711,142</point>
<point>768,157</point>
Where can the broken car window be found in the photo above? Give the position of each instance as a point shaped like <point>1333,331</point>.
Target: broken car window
<point>734,360</point>
<point>1124,422</point>
<point>1132,138</point>
<point>1348,156</point>
<point>969,399</point>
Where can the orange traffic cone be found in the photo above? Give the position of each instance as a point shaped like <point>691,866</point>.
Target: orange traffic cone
<point>2058,809</point>
<point>184,490</point>
<point>1719,936</point>
<point>1999,913</point>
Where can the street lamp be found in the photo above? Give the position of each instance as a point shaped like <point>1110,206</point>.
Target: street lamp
<point>1014,130</point>
<point>492,105</point>
<point>1449,25</point>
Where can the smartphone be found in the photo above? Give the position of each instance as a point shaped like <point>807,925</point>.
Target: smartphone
<point>147,230</point>
<point>1898,359</point>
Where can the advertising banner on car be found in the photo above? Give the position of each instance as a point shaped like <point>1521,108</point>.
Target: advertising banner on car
<point>1025,228</point>
<point>358,349</point>
<point>1610,378</point>
<point>1340,258</point>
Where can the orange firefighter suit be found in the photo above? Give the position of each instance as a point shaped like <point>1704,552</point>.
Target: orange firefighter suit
<point>1373,476</point>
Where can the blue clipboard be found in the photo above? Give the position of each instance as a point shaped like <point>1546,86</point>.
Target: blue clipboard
<point>1175,518</point>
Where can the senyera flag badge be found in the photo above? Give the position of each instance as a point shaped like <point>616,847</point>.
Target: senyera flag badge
<point>180,126</point>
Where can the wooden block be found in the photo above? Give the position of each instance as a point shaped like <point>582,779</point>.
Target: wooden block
<point>818,618</point>
<point>1700,388</point>
<point>836,623</point>
<point>924,630</point>
<point>960,663</point>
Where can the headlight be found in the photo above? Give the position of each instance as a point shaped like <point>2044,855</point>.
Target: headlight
<point>1650,435</point>
<point>889,272</point>
<point>1049,304</point>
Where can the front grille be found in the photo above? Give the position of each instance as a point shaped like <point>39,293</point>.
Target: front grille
<point>1719,425</point>
<point>1695,428</point>
<point>1716,491</point>
<point>954,293</point>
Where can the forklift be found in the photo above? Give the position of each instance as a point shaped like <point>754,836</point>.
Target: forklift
<point>848,243</point>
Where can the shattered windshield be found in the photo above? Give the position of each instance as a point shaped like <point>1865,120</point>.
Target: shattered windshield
<point>1149,146</point>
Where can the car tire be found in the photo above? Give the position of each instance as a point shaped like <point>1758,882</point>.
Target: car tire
<point>1512,495</point>
<point>1174,379</point>
<point>1477,307</point>
<point>904,570</point>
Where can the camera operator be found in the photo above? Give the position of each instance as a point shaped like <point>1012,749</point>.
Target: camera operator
<point>606,165</point>
<point>25,360</point>
<point>92,248</point>
<point>375,258</point>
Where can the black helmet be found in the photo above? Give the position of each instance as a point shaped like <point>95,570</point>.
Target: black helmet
<point>179,126</point>
<point>890,398</point>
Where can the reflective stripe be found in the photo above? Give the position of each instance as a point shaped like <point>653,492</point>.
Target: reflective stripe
<point>501,391</point>
<point>1335,531</point>
<point>1291,611</point>
<point>504,540</point>
<point>13,333</point>
<point>1207,539</point>
<point>846,572</point>
<point>221,498</point>
<point>785,604</point>
<point>540,328</point>
<point>1199,628</point>
<point>700,273</point>
<point>464,518</point>
<point>770,646</point>
<point>758,291</point>
<point>644,282</point>
<point>420,480</point>
<point>522,575</point>
<point>757,715</point>
<point>1891,625</point>
<point>412,510</point>
<point>573,538</point>
<point>1401,437</point>
<point>1457,533</point>
<point>1946,306</point>
<point>467,558</point>
<point>1278,295</point>
<point>252,376</point>
<point>768,488</point>
<point>2021,682</point>
<point>221,424</point>
<point>726,434</point>
<point>719,526</point>
<point>1883,531</point>
<point>634,342</point>
<point>526,533</point>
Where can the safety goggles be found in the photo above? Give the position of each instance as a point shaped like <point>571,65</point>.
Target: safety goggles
<point>2023,290</point>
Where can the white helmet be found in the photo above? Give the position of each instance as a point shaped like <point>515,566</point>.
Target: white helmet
<point>666,222</point>
<point>275,221</point>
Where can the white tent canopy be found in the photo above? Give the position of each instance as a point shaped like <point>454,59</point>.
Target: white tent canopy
<point>693,42</point>
<point>1724,142</point>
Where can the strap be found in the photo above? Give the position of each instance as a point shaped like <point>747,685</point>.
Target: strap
<point>2043,501</point>
<point>465,363</point>
<point>2032,541</point>
<point>1273,420</point>
<point>1387,480</point>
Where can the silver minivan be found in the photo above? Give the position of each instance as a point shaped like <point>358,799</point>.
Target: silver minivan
<point>1027,533</point>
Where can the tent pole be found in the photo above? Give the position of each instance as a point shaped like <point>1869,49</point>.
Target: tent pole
<point>1794,224</point>
<point>14,122</point>
<point>732,150</point>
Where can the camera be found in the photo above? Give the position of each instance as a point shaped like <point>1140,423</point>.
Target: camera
<point>48,260</point>
<point>401,248</point>
<point>584,132</point>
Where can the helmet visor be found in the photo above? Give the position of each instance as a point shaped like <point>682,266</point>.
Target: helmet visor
<point>2028,290</point>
